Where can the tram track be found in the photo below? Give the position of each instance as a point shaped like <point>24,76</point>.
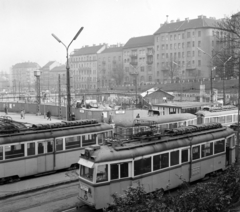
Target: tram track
<point>45,198</point>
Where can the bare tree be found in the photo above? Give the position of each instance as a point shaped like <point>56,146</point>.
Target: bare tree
<point>227,45</point>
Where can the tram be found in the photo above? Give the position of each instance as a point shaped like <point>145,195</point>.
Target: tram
<point>37,149</point>
<point>189,153</point>
<point>224,115</point>
<point>160,122</point>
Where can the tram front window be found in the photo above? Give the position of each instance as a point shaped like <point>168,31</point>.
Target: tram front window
<point>86,173</point>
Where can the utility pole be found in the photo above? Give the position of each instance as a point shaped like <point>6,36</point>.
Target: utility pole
<point>238,131</point>
<point>59,98</point>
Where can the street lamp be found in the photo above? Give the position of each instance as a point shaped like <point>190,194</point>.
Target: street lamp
<point>213,68</point>
<point>68,111</point>
<point>224,72</point>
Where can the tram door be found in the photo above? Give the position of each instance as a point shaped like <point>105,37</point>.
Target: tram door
<point>45,155</point>
<point>230,154</point>
<point>100,138</point>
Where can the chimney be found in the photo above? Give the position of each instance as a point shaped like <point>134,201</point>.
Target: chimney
<point>172,21</point>
<point>161,25</point>
<point>187,19</point>
<point>178,20</point>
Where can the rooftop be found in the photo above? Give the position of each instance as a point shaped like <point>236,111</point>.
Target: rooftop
<point>87,50</point>
<point>112,49</point>
<point>142,41</point>
<point>200,22</point>
<point>26,65</point>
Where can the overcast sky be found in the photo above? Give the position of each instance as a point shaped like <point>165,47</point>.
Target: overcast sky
<point>27,25</point>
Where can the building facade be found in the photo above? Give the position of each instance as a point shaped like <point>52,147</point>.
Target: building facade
<point>54,74</point>
<point>110,67</point>
<point>138,60</point>
<point>45,79</point>
<point>23,79</point>
<point>180,46</point>
<point>84,68</point>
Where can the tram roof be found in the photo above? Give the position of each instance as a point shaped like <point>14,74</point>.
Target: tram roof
<point>219,113</point>
<point>31,135</point>
<point>161,119</point>
<point>109,153</point>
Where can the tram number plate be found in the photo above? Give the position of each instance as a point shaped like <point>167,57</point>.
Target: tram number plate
<point>83,187</point>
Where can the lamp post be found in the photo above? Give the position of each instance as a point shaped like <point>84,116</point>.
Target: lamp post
<point>213,68</point>
<point>224,72</point>
<point>38,97</point>
<point>68,111</point>
<point>135,75</point>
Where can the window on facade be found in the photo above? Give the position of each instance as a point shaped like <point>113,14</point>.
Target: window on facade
<point>14,151</point>
<point>158,56</point>
<point>142,166</point>
<point>175,37</point>
<point>170,46</point>
<point>179,36</point>
<point>73,142</point>
<point>166,46</point>
<point>163,56</point>
<point>199,43</point>
<point>40,147</point>
<point>199,33</point>
<point>188,54</point>
<point>150,78</point>
<point>188,34</point>
<point>179,54</point>
<point>175,54</point>
<point>182,54</point>
<point>30,149</point>
<point>193,33</point>
<point>188,44</point>
<point>142,68</point>
<point>89,140</point>
<point>196,152</point>
<point>184,155</point>
<point>166,55</point>
<point>199,63</point>
<point>207,149</point>
<point>160,161</point>
<point>219,146</point>
<point>175,45</point>
<point>163,46</point>
<point>102,173</point>
<point>183,35</point>
<point>193,44</point>
<point>174,157</point>
<point>182,45</point>
<point>199,53</point>
<point>163,38</point>
<point>157,47</point>
<point>170,37</point>
<point>193,53</point>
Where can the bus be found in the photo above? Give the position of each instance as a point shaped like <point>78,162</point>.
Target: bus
<point>189,153</point>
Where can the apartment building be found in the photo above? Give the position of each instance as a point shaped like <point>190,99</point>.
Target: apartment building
<point>180,46</point>
<point>84,68</point>
<point>54,76</point>
<point>45,79</point>
<point>138,60</point>
<point>22,76</point>
<point>110,66</point>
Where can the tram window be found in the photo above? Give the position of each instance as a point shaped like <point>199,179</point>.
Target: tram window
<point>102,173</point>
<point>114,171</point>
<point>59,144</point>
<point>196,152</point>
<point>163,127</point>
<point>142,166</point>
<point>221,119</point>
<point>40,148</point>
<point>14,151</point>
<point>86,172</point>
<point>124,170</point>
<point>174,157</point>
<point>72,142</point>
<point>49,146</point>
<point>219,146</point>
<point>1,153</point>
<point>184,155</point>
<point>88,140</point>
<point>30,149</point>
<point>207,149</point>
<point>229,118</point>
<point>206,120</point>
<point>160,161</point>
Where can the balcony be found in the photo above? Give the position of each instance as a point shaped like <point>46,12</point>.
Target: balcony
<point>149,62</point>
<point>133,56</point>
<point>133,62</point>
<point>104,63</point>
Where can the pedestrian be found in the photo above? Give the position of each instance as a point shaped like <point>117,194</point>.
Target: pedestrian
<point>6,110</point>
<point>138,116</point>
<point>49,115</point>
<point>73,116</point>
<point>22,114</point>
